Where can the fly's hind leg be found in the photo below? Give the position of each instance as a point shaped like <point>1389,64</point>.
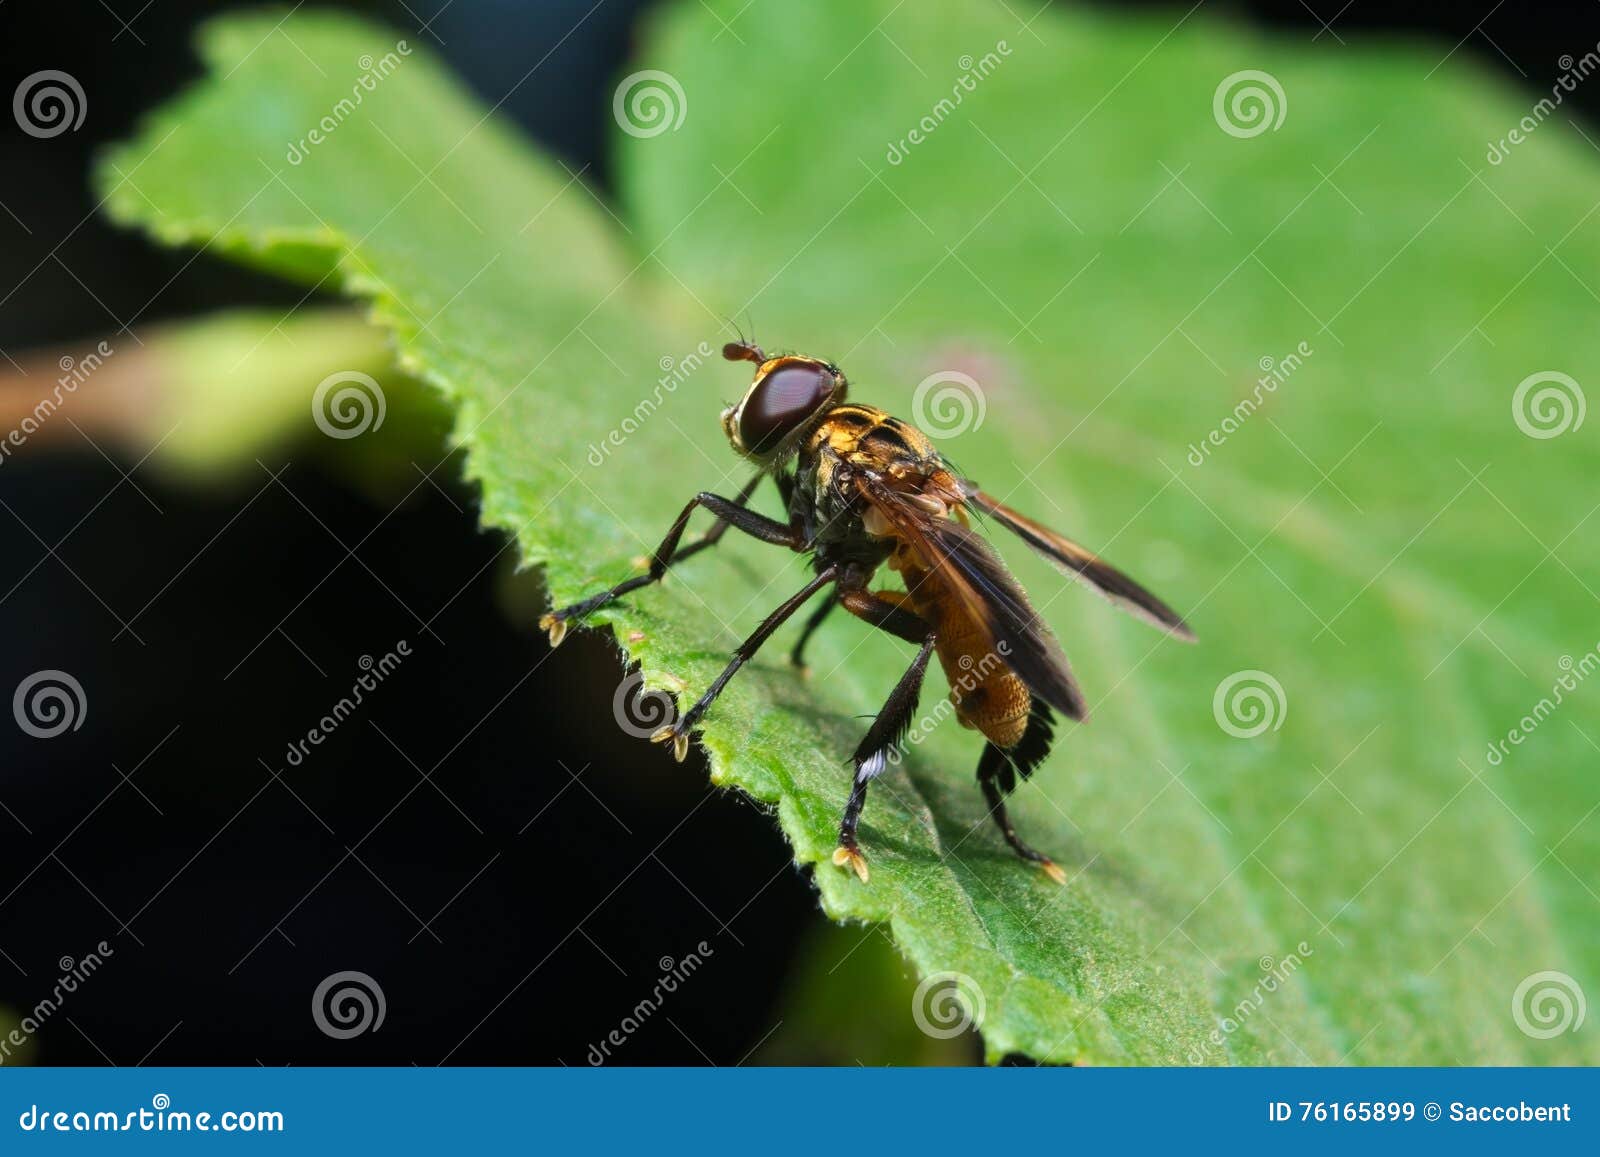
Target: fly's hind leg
<point>998,769</point>
<point>889,728</point>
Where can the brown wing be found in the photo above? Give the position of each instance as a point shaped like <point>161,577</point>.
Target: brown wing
<point>1084,566</point>
<point>986,594</point>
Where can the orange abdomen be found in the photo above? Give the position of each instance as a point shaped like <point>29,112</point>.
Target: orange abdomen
<point>987,696</point>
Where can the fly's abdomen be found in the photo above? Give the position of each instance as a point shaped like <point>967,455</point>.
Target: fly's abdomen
<point>987,696</point>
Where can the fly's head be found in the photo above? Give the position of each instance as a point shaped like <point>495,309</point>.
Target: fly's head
<point>789,396</point>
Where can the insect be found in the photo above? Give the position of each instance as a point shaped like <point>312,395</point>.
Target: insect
<point>862,489</point>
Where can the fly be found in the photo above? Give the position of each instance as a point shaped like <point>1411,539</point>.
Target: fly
<point>862,490</point>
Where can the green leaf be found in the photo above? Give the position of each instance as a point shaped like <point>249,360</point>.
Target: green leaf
<point>1360,881</point>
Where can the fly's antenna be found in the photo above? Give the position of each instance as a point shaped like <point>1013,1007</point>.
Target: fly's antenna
<point>742,350</point>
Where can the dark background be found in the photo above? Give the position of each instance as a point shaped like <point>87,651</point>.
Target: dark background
<point>228,894</point>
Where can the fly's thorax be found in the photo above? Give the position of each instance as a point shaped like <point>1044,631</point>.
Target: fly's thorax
<point>830,510</point>
<point>823,497</point>
<point>873,439</point>
<point>841,429</point>
<point>897,448</point>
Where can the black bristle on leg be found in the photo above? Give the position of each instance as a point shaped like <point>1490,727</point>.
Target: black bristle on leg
<point>1036,741</point>
<point>998,771</point>
<point>871,756</point>
<point>995,769</point>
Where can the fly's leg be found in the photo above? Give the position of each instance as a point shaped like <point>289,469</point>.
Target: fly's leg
<point>677,733</point>
<point>718,528</point>
<point>997,776</point>
<point>872,756</point>
<point>798,656</point>
<point>888,729</point>
<point>729,512</point>
<point>988,779</point>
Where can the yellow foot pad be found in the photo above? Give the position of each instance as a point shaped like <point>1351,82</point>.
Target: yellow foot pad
<point>1053,870</point>
<point>557,629</point>
<point>853,859</point>
<point>680,742</point>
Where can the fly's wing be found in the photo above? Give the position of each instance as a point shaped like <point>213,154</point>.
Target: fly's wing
<point>986,594</point>
<point>1084,566</point>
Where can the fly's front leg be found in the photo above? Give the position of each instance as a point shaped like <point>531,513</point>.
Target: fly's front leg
<point>729,512</point>
<point>889,728</point>
<point>720,527</point>
<point>677,732</point>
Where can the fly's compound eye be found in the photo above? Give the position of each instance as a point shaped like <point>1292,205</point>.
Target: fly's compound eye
<point>781,403</point>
